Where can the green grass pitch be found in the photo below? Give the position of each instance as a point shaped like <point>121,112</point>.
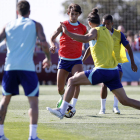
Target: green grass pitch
<point>87,124</point>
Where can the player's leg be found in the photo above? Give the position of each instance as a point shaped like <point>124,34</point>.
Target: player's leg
<point>124,100</point>
<point>29,81</point>
<point>61,81</point>
<point>76,68</point>
<point>115,105</point>
<point>3,110</point>
<point>62,74</point>
<point>77,79</point>
<point>89,77</point>
<point>116,87</point>
<point>33,115</point>
<point>9,88</point>
<point>103,98</point>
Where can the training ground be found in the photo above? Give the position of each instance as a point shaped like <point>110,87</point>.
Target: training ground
<point>87,124</point>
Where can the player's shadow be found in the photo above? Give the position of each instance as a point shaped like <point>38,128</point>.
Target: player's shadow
<point>117,116</point>
<point>97,116</point>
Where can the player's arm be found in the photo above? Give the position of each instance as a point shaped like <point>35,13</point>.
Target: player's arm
<point>87,54</point>
<point>92,35</point>
<point>127,46</point>
<point>53,37</point>
<point>44,44</point>
<point>2,34</point>
<point>133,65</point>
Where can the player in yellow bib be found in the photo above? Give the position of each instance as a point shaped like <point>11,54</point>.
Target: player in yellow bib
<point>120,43</point>
<point>105,70</point>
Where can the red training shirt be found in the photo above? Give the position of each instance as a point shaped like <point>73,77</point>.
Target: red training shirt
<point>69,48</point>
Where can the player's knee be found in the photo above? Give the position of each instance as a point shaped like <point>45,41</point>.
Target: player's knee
<point>71,81</point>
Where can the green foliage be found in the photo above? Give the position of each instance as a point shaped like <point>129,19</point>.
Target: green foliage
<point>124,12</point>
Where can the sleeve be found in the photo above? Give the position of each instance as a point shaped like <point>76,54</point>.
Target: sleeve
<point>123,39</point>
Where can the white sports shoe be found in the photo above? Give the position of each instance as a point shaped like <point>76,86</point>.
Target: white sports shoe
<point>102,111</point>
<point>3,138</point>
<point>56,112</point>
<point>116,110</point>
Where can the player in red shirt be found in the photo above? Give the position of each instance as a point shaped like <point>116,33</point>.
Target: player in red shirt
<point>70,51</point>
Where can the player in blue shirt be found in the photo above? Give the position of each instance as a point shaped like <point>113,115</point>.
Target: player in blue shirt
<point>19,68</point>
<point>119,40</point>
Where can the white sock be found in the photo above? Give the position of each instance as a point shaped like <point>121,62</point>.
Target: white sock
<point>115,102</point>
<point>63,107</point>
<point>33,128</point>
<point>103,103</point>
<point>74,101</point>
<point>1,130</point>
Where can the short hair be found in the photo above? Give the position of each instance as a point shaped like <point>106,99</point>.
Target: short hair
<point>108,17</point>
<point>23,7</point>
<point>94,17</point>
<point>74,7</point>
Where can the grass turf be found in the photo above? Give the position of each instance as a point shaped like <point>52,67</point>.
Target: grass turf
<point>87,124</point>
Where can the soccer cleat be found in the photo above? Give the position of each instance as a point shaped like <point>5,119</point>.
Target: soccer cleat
<point>116,110</point>
<point>59,102</point>
<point>56,112</point>
<point>35,138</point>
<point>3,138</point>
<point>102,111</point>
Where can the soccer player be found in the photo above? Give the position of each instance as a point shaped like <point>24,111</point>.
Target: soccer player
<point>105,70</point>
<point>120,43</point>
<point>70,52</point>
<point>19,67</point>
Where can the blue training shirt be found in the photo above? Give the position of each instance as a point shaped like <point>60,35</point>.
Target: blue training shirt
<point>123,39</point>
<point>20,40</point>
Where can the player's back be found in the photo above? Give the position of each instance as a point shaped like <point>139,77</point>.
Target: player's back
<point>20,39</point>
<point>102,49</point>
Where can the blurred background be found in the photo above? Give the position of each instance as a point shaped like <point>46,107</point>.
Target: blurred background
<point>49,13</point>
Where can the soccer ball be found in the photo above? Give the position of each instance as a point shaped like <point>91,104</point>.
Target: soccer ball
<point>70,111</point>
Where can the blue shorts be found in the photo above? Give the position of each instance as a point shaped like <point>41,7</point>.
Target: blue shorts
<point>120,67</point>
<point>28,80</point>
<point>67,65</point>
<point>110,78</point>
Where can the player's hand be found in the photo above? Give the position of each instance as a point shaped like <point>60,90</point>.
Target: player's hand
<point>52,49</point>
<point>64,28</point>
<point>134,67</point>
<point>46,63</point>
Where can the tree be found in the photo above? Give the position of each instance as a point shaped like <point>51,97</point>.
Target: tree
<point>124,12</point>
